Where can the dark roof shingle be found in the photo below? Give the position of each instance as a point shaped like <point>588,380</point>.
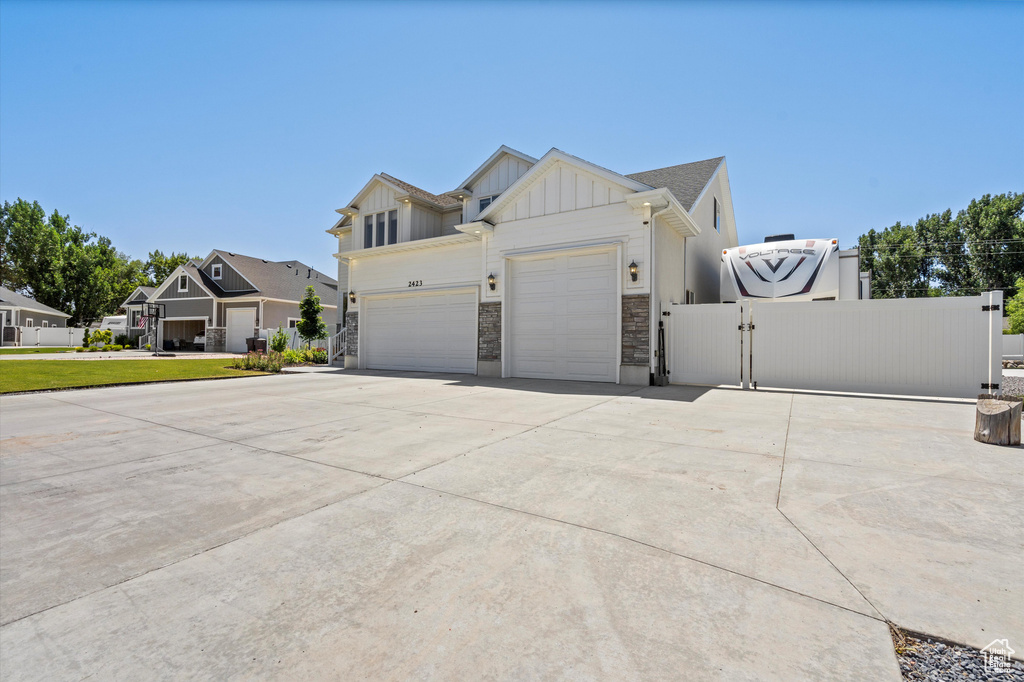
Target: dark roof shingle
<point>686,181</point>
<point>286,280</point>
<point>439,199</point>
<point>16,300</point>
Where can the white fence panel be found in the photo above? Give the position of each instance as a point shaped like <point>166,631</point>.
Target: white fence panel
<point>704,343</point>
<point>1013,346</point>
<point>930,346</point>
<point>55,337</point>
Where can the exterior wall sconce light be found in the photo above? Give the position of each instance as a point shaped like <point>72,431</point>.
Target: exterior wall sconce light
<point>351,297</point>
<point>491,281</point>
<point>633,270</point>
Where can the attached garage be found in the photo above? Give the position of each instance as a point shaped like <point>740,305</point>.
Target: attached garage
<point>241,325</point>
<point>563,316</point>
<point>424,332</point>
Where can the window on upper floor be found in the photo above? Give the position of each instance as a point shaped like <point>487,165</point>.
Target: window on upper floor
<point>182,283</point>
<point>216,271</point>
<point>718,215</point>
<point>380,229</point>
<point>487,201</point>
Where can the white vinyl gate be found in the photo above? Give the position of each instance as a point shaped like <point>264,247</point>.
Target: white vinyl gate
<point>949,347</point>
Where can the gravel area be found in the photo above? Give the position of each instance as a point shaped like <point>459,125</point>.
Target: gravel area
<point>1012,385</point>
<point>926,659</point>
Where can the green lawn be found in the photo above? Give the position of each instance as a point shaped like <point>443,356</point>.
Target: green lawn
<point>33,349</point>
<point>34,375</point>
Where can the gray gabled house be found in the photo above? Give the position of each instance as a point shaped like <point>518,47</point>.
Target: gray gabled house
<point>227,298</point>
<point>18,312</point>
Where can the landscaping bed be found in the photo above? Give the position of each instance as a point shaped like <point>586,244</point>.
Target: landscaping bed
<point>40,375</point>
<point>933,660</point>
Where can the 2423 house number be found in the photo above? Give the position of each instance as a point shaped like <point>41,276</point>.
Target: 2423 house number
<point>416,283</point>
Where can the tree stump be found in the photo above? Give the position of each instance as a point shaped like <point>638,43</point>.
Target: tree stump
<point>997,420</point>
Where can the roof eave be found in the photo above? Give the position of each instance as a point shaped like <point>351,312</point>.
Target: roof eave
<point>665,206</point>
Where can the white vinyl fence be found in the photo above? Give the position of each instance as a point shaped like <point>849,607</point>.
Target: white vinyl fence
<point>55,337</point>
<point>948,347</point>
<point>335,344</point>
<point>1013,346</point>
<point>704,344</point>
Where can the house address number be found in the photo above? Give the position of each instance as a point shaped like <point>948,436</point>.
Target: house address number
<point>416,283</point>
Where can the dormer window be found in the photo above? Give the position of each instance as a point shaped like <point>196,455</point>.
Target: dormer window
<point>182,283</point>
<point>216,270</point>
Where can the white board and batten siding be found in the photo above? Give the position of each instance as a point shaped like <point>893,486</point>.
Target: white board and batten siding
<point>563,316</point>
<point>562,189</point>
<point>423,332</point>
<point>500,177</point>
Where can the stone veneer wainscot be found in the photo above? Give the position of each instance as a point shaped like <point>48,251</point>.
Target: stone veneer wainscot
<point>352,333</point>
<point>489,332</point>
<point>636,329</point>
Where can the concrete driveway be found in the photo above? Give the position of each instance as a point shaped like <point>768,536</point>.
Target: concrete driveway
<point>387,526</point>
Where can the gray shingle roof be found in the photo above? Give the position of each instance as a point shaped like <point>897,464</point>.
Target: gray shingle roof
<point>286,280</point>
<point>16,300</point>
<point>439,199</point>
<point>686,181</point>
<point>142,294</point>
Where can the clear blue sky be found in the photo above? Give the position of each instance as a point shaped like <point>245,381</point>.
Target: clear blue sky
<point>189,126</point>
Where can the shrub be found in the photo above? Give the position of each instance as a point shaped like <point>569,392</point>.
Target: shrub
<point>121,340</point>
<point>292,357</point>
<point>86,339</point>
<point>280,340</point>
<point>79,349</point>
<point>258,362</point>
<point>102,336</point>
<point>316,356</point>
<point>149,346</point>
<point>94,349</point>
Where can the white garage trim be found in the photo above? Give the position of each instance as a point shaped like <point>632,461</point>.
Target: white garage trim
<point>227,326</point>
<point>508,303</point>
<point>366,345</point>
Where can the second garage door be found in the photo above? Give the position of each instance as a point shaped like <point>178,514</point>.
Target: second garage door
<point>430,332</point>
<point>563,317</point>
<point>241,325</point>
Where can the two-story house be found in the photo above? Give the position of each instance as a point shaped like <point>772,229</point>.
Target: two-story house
<point>550,268</point>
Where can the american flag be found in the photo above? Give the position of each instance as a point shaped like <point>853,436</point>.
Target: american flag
<point>143,319</point>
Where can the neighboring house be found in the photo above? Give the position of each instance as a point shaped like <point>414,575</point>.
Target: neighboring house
<point>18,312</point>
<point>548,268</point>
<point>228,297</point>
<point>134,303</point>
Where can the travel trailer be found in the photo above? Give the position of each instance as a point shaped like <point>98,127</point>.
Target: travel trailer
<point>794,270</point>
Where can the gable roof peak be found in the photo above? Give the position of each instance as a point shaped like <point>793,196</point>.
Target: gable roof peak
<point>485,166</point>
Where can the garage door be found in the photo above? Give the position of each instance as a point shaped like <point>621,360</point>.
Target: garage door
<point>240,326</point>
<point>563,317</point>
<point>433,332</point>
